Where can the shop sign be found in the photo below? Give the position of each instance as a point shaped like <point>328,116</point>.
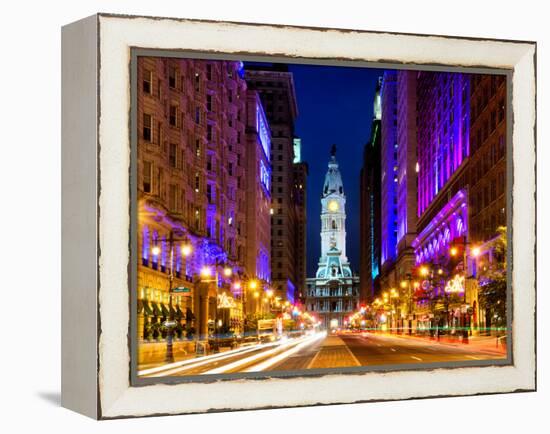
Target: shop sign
<point>181,289</point>
<point>456,284</point>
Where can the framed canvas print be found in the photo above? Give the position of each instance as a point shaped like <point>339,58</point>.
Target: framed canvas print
<point>259,216</point>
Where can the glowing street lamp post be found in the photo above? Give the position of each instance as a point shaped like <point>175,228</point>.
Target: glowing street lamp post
<point>170,322</point>
<point>251,284</point>
<point>409,301</point>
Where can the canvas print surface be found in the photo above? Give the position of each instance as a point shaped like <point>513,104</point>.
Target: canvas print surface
<point>297,217</point>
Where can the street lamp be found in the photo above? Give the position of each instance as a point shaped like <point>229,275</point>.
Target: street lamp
<point>170,322</point>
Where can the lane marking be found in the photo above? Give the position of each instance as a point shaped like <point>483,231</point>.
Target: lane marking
<point>353,356</point>
<point>393,349</point>
<point>272,361</point>
<point>310,364</point>
<point>473,357</point>
<point>416,358</point>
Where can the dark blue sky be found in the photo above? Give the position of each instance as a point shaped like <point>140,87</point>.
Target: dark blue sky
<point>335,105</point>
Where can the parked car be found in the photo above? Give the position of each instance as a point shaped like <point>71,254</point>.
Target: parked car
<point>229,340</point>
<point>249,340</point>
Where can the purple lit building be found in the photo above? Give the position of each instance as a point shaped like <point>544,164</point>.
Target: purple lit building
<point>398,180</point>
<point>258,189</point>
<point>389,170</point>
<point>443,108</point>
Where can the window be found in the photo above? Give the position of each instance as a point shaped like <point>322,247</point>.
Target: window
<point>197,147</point>
<point>172,197</point>
<point>197,182</point>
<point>230,168</point>
<point>197,82</point>
<point>209,72</point>
<point>174,115</point>
<point>159,132</point>
<point>147,127</point>
<point>147,82</point>
<point>147,176</point>
<point>172,77</point>
<point>209,193</point>
<point>209,103</point>
<point>172,155</point>
<point>209,134</point>
<point>197,115</point>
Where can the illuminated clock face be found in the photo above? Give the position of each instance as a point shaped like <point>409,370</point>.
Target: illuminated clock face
<point>333,206</point>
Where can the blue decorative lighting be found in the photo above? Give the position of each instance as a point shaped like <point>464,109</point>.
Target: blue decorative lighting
<point>265,176</point>
<point>240,69</point>
<point>263,131</point>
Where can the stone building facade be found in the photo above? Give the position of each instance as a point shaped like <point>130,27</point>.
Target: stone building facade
<point>275,85</point>
<point>197,145</point>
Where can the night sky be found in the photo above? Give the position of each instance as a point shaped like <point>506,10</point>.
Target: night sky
<point>335,105</point>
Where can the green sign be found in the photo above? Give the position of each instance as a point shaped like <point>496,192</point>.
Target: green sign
<point>181,289</point>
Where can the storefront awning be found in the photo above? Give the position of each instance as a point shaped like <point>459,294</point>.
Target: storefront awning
<point>165,311</point>
<point>156,309</point>
<point>179,313</point>
<point>144,306</point>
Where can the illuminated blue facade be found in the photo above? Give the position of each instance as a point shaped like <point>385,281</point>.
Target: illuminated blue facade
<point>389,167</point>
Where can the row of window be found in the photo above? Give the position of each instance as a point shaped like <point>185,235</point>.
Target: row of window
<point>485,196</point>
<point>487,127</point>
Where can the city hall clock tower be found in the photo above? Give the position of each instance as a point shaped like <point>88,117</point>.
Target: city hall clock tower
<point>334,291</point>
<point>333,212</point>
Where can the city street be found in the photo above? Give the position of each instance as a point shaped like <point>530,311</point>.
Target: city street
<point>333,351</point>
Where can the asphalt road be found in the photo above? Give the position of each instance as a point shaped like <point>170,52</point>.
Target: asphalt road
<point>321,351</point>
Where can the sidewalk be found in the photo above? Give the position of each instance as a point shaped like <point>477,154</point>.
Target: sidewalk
<point>487,344</point>
<point>152,354</point>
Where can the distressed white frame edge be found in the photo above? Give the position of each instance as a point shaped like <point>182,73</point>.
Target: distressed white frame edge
<point>116,36</point>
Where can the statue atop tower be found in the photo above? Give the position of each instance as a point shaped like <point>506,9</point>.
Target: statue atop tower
<point>333,220</point>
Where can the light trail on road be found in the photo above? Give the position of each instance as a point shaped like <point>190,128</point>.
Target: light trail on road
<point>251,359</point>
<point>173,368</point>
<point>274,360</point>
